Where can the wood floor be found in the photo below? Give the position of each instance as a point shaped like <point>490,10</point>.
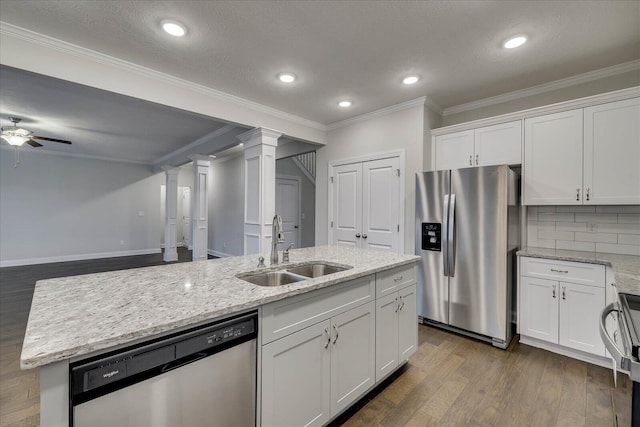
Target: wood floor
<point>450,381</point>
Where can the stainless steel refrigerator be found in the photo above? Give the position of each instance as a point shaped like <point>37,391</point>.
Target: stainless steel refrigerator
<point>467,232</point>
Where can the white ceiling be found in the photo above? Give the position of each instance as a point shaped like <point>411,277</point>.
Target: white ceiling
<point>354,49</point>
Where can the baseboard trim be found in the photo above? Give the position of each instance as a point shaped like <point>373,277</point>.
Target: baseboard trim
<point>218,253</point>
<point>76,257</point>
<point>569,352</point>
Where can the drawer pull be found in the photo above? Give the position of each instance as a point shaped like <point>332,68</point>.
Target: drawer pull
<point>559,271</point>
<point>397,279</point>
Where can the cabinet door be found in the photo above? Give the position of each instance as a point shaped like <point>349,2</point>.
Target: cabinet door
<point>580,308</point>
<point>454,151</point>
<point>347,205</point>
<point>296,378</point>
<point>407,323</point>
<point>352,356</point>
<point>539,309</point>
<point>612,153</point>
<point>380,201</point>
<point>553,159</point>
<point>386,335</point>
<point>498,145</point>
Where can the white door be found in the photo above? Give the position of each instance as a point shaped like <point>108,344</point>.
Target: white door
<point>186,217</point>
<point>553,159</point>
<point>407,323</point>
<point>455,150</point>
<point>288,207</point>
<point>539,309</point>
<point>380,205</point>
<point>499,144</point>
<point>296,378</point>
<point>347,205</point>
<point>612,153</point>
<point>352,356</point>
<point>386,335</point>
<point>580,308</point>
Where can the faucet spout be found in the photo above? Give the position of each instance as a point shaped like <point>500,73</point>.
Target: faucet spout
<point>277,236</point>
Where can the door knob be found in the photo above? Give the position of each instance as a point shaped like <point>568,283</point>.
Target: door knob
<point>364,236</point>
<point>358,235</point>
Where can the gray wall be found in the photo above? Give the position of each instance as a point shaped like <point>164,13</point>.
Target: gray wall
<point>226,206</point>
<point>308,202</point>
<point>400,129</point>
<point>54,207</point>
<point>608,84</point>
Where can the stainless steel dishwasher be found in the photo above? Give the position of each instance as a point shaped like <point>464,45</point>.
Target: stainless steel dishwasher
<point>200,377</point>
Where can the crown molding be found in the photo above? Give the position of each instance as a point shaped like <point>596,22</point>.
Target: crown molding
<point>77,155</point>
<point>588,101</point>
<point>545,87</point>
<point>70,48</point>
<point>379,113</point>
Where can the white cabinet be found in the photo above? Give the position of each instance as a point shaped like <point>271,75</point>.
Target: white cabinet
<point>313,374</point>
<point>559,311</point>
<point>489,145</point>
<point>396,330</point>
<point>612,153</point>
<point>365,205</point>
<point>584,156</point>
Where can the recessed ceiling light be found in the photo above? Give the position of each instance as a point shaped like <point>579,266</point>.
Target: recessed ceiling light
<point>174,28</point>
<point>515,42</point>
<point>241,144</point>
<point>409,80</point>
<point>286,77</point>
<point>344,104</point>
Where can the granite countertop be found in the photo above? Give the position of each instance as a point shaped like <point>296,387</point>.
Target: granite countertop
<point>626,268</point>
<point>78,315</point>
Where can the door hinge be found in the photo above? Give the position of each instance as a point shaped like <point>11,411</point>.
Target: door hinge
<point>398,172</point>
<point>331,224</point>
<point>331,180</point>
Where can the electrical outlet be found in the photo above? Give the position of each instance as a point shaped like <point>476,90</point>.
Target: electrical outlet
<point>224,244</point>
<point>592,227</point>
<point>140,213</point>
<point>121,242</point>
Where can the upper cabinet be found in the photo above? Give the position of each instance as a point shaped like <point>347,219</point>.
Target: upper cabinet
<point>485,146</point>
<point>584,156</point>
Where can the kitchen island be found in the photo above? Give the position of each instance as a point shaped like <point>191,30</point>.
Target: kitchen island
<point>80,317</point>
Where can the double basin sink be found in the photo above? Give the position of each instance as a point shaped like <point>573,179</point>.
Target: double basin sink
<point>288,275</point>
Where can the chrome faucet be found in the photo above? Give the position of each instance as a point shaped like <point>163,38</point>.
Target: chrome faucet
<point>276,230</point>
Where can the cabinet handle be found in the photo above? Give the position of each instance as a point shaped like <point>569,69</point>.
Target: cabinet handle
<point>554,291</point>
<point>470,160</point>
<point>397,305</point>
<point>397,279</point>
<point>577,194</point>
<point>559,271</point>
<point>364,236</point>
<point>476,160</point>
<point>358,235</point>
<point>402,301</point>
<point>587,194</point>
<point>337,334</point>
<point>326,331</point>
<point>564,290</point>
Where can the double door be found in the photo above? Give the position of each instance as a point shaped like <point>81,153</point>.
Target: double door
<point>366,205</point>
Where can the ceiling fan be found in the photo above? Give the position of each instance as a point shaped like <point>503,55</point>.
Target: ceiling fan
<point>17,136</point>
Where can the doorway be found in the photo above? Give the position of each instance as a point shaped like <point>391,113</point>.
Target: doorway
<point>296,199</point>
<point>183,226</point>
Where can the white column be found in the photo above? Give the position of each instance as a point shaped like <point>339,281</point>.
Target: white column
<point>200,207</point>
<point>259,188</point>
<point>171,214</point>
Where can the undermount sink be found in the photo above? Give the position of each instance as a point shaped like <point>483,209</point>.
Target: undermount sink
<point>317,270</point>
<point>288,275</point>
<point>272,278</point>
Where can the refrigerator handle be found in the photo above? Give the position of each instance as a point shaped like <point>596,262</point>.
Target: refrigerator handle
<point>451,236</point>
<point>443,238</point>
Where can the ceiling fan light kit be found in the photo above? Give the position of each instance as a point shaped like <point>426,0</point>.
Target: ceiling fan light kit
<point>15,136</point>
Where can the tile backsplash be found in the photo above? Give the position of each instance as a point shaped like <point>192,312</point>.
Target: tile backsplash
<point>611,229</point>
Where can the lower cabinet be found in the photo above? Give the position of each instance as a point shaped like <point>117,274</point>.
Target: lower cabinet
<point>313,374</point>
<point>396,330</point>
<point>562,312</point>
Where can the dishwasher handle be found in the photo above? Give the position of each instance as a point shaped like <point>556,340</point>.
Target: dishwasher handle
<point>182,362</point>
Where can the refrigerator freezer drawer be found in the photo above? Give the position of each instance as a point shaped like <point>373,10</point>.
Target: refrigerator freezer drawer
<point>563,271</point>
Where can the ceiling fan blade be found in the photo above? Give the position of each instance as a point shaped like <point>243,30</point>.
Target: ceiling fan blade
<point>51,139</point>
<point>32,143</point>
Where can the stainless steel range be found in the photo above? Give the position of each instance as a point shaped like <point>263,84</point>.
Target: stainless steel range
<point>624,343</point>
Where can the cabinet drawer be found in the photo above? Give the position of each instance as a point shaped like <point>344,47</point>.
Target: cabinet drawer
<point>287,316</point>
<point>390,281</point>
<point>563,271</point>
